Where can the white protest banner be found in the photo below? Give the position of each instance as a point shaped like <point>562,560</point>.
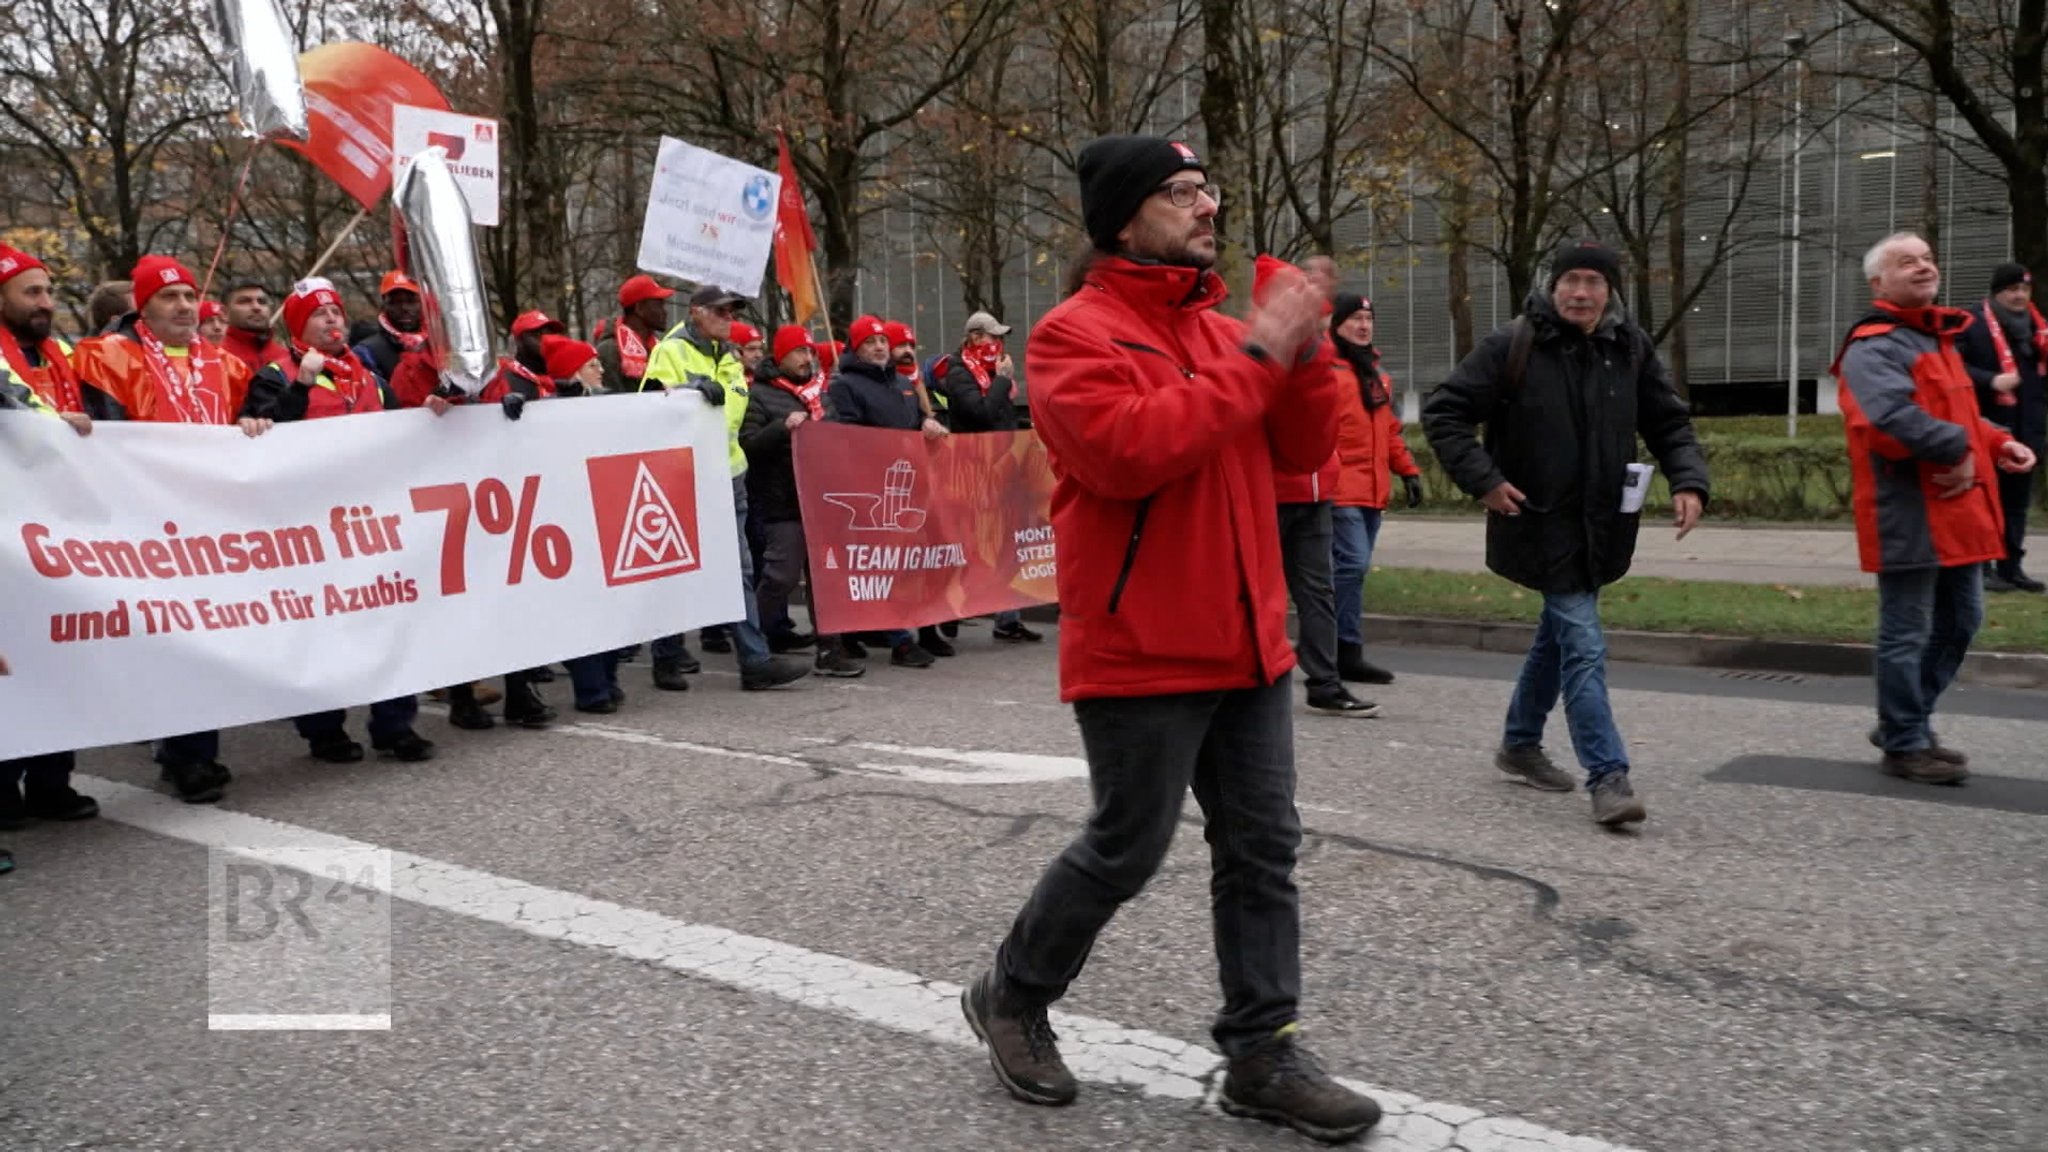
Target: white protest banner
<point>710,220</point>
<point>472,146</point>
<point>162,579</point>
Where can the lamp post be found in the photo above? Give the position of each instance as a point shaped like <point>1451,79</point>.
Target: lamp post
<point>1795,43</point>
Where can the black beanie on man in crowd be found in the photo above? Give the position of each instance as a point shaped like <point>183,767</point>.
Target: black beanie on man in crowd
<point>1586,254</point>
<point>1117,174</point>
<point>2006,275</point>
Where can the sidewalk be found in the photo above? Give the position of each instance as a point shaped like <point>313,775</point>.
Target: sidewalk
<point>1772,555</point>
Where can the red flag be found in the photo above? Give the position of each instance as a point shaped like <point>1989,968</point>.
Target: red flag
<point>350,89</point>
<point>794,240</point>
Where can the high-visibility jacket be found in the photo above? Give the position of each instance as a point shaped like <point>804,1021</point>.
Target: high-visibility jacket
<point>685,356</point>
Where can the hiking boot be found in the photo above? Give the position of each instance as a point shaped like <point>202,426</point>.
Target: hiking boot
<point>1534,767</point>
<point>670,676</point>
<point>470,716</point>
<point>1354,667</point>
<point>336,749</point>
<point>197,783</point>
<point>909,655</point>
<point>1936,749</point>
<point>60,803</point>
<point>408,747</point>
<point>783,643</point>
<point>1995,581</point>
<point>1280,1083</point>
<point>1338,702</point>
<point>1921,766</point>
<point>716,640</point>
<point>773,672</point>
<point>1016,634</point>
<point>854,649</point>
<point>2018,578</point>
<point>524,706</point>
<point>836,664</point>
<point>1021,1045</point>
<point>603,707</point>
<point>1615,802</point>
<point>930,640</point>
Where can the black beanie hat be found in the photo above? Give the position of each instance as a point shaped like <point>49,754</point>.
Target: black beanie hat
<point>2006,275</point>
<point>1117,174</point>
<point>1587,254</point>
<point>1345,304</point>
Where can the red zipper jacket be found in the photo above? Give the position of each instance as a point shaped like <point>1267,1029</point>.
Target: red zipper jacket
<point>1369,444</point>
<point>1164,433</point>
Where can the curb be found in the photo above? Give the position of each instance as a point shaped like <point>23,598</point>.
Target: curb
<point>1806,658</point>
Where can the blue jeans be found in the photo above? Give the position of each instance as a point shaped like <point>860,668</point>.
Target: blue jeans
<point>747,639</point>
<point>389,719</point>
<point>593,677</point>
<point>1569,657</point>
<point>1353,533</point>
<point>1925,620</point>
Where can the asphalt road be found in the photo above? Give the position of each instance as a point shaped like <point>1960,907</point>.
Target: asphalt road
<point>718,920</point>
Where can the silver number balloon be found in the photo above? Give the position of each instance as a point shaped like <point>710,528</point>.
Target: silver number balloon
<point>437,247</point>
<point>268,93</point>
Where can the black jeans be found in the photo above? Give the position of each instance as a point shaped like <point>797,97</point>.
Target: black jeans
<point>2014,494</point>
<point>1305,554</point>
<point>1236,749</point>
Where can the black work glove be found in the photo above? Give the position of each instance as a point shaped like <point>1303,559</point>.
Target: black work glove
<point>513,404</point>
<point>1414,486</point>
<point>712,391</point>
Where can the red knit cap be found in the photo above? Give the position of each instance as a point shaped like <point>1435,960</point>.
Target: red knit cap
<point>155,273</point>
<point>307,297</point>
<point>789,338</point>
<point>899,334</point>
<point>565,357</point>
<point>744,333</point>
<point>13,262</point>
<point>863,328</point>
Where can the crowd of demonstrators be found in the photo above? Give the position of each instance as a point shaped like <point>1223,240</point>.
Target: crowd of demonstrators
<point>2005,350</point>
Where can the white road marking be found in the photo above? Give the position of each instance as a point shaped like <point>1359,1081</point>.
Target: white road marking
<point>296,1022</point>
<point>905,1002</point>
<point>984,767</point>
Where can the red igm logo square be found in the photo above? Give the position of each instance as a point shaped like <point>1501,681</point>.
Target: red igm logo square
<point>646,507</point>
<point>455,146</point>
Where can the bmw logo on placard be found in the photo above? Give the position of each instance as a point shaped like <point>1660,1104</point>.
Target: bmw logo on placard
<point>757,199</point>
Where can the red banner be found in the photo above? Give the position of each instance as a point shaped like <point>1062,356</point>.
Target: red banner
<point>905,531</point>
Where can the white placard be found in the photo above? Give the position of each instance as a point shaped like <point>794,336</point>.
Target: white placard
<point>710,219</point>
<point>163,579</point>
<point>472,145</point>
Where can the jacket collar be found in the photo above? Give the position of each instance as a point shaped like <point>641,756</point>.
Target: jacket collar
<point>1168,287</point>
<point>1934,319</point>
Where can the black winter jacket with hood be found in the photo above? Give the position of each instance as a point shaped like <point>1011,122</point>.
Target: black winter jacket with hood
<point>1565,438</point>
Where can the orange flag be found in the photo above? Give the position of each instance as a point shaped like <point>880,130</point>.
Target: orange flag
<point>794,240</point>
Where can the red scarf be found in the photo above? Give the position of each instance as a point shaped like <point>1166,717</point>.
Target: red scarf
<point>54,381</point>
<point>812,393</point>
<point>406,341</point>
<point>981,360</point>
<point>632,351</point>
<point>342,370</point>
<point>2006,361</point>
<point>188,390</point>
<point>543,386</point>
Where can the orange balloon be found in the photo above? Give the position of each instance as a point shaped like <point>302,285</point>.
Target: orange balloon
<point>350,89</point>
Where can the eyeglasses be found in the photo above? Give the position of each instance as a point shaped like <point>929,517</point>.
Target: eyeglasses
<point>1182,193</point>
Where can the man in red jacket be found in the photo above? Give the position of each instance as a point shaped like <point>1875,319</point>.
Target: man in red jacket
<point>1925,463</point>
<point>1164,420</point>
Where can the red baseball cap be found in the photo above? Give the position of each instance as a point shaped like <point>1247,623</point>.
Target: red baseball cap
<point>640,288</point>
<point>13,262</point>
<point>395,281</point>
<point>899,334</point>
<point>744,333</point>
<point>537,321</point>
<point>155,273</point>
<point>789,338</point>
<point>864,329</point>
<point>565,357</point>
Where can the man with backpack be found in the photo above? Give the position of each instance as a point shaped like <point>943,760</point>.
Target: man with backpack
<point>1564,391</point>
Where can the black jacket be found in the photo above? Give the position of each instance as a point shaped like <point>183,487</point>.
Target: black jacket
<point>1565,438</point>
<point>872,396</point>
<point>766,439</point>
<point>971,411</point>
<point>2027,420</point>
